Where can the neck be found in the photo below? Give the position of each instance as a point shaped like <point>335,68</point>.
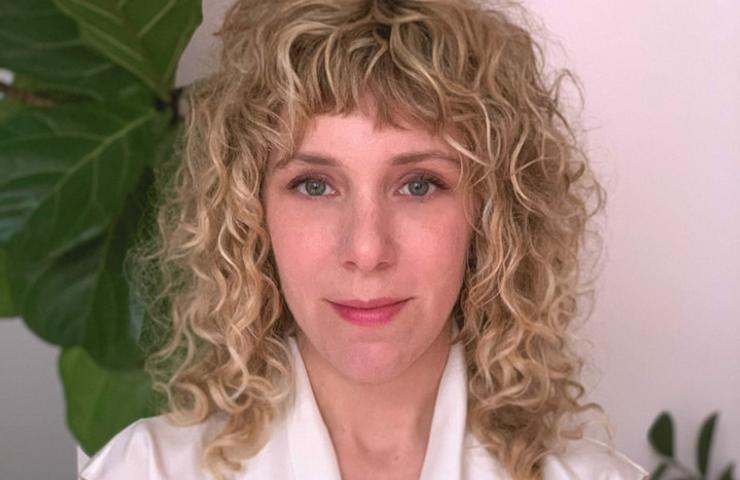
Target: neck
<point>379,418</point>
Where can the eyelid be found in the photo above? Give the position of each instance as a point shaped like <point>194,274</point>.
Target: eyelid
<point>427,177</point>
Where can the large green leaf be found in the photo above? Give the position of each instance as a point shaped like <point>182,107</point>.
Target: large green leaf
<point>69,212</point>
<point>704,443</point>
<point>6,304</point>
<point>38,40</point>
<point>9,107</point>
<point>101,403</point>
<point>81,296</point>
<point>146,37</point>
<point>661,434</point>
<point>67,171</point>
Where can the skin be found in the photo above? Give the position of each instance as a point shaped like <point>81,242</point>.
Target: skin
<point>373,231</point>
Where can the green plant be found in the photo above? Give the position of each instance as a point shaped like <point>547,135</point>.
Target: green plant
<point>661,438</point>
<point>90,110</point>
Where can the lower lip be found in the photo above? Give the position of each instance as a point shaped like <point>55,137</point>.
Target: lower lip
<point>369,317</point>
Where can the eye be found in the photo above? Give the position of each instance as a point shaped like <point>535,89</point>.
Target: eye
<point>313,186</point>
<point>419,185</point>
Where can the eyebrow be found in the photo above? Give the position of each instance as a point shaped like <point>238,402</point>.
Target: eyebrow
<point>400,159</point>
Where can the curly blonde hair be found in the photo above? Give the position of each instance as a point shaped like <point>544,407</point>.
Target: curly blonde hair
<point>219,324</point>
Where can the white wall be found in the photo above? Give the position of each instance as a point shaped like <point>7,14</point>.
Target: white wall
<point>662,90</point>
<point>34,441</point>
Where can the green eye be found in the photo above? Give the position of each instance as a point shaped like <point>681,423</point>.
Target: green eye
<point>419,185</point>
<point>315,187</point>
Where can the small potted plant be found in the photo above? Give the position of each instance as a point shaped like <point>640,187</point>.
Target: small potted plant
<point>661,437</point>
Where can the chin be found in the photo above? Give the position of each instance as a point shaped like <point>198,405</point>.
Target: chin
<point>372,364</point>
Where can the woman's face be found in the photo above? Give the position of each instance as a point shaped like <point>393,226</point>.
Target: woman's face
<point>356,215</point>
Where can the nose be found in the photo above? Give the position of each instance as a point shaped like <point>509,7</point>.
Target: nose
<point>368,241</point>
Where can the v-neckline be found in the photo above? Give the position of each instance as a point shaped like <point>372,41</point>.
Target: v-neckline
<point>312,453</point>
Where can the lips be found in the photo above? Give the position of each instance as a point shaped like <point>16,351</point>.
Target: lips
<point>373,303</point>
<point>374,312</point>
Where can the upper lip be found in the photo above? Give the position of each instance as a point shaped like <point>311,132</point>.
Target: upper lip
<point>372,303</point>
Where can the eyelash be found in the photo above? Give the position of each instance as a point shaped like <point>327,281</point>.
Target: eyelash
<point>423,177</point>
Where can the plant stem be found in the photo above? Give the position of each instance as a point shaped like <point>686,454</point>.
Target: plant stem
<point>24,96</point>
<point>687,471</point>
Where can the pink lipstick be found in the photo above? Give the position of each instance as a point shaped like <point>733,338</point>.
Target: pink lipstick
<point>375,312</point>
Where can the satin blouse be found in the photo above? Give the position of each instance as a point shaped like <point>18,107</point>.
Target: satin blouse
<point>299,446</point>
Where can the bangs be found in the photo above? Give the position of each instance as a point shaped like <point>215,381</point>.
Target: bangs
<point>398,67</point>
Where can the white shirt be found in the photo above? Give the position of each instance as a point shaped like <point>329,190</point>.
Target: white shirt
<point>300,447</point>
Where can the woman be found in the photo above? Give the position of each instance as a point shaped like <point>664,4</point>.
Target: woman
<point>368,260</point>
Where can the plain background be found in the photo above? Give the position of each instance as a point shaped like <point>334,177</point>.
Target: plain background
<point>661,81</point>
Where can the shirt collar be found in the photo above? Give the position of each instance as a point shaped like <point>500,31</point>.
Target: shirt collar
<point>444,455</point>
<point>311,450</point>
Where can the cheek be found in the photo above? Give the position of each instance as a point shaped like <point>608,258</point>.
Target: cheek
<point>435,250</point>
<point>300,247</point>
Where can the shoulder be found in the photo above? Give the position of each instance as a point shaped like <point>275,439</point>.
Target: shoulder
<point>152,448</point>
<point>582,459</point>
<point>587,458</point>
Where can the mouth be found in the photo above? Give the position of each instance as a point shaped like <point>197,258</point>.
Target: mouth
<point>369,313</point>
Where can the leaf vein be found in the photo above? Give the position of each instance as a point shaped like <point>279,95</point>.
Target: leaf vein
<point>97,10</point>
<point>156,18</point>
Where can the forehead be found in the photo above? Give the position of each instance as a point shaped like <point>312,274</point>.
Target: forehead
<point>329,139</point>
<point>359,128</point>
